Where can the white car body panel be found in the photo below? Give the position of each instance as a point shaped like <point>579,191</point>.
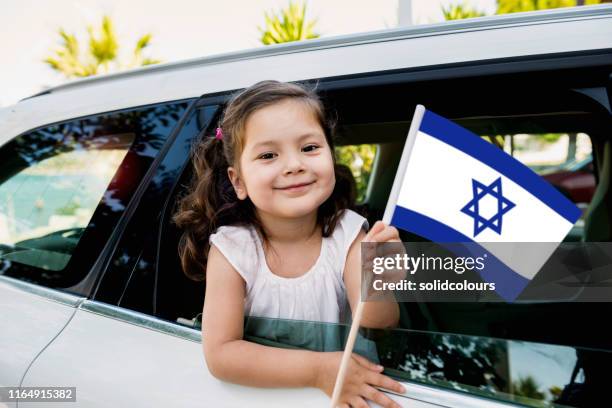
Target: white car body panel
<point>172,371</point>
<point>28,323</point>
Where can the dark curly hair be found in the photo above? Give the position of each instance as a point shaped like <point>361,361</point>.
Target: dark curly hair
<point>211,200</point>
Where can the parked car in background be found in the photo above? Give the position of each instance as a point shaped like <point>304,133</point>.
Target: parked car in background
<point>91,289</point>
<point>575,179</point>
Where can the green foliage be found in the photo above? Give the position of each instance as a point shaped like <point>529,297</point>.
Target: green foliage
<point>497,140</point>
<point>69,209</point>
<point>515,6</point>
<point>289,25</point>
<point>359,158</point>
<point>555,391</point>
<point>527,387</point>
<point>102,51</point>
<point>460,11</point>
<point>552,137</point>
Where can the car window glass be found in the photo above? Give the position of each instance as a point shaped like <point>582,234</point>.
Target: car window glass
<point>527,373</point>
<point>45,207</point>
<point>64,186</point>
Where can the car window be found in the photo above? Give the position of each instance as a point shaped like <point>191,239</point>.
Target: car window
<point>65,181</point>
<point>47,205</point>
<point>526,373</point>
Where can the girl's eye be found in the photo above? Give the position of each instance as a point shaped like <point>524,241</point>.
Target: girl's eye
<point>310,148</point>
<point>266,156</point>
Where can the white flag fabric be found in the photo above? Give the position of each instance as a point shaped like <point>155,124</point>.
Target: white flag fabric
<point>453,186</point>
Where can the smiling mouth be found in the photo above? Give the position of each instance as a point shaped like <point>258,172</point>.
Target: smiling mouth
<point>295,186</point>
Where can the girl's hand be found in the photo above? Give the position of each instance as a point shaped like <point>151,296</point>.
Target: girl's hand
<point>362,376</point>
<point>381,233</point>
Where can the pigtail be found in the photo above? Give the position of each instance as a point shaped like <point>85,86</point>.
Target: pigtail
<point>207,205</point>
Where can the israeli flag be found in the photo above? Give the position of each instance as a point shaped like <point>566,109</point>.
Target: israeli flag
<point>452,186</point>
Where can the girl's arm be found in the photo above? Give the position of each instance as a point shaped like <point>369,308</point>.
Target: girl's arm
<point>378,314</point>
<point>228,356</point>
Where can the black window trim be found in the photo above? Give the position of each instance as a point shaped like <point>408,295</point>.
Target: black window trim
<point>89,284</point>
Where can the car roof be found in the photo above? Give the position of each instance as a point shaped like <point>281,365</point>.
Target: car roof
<point>496,37</point>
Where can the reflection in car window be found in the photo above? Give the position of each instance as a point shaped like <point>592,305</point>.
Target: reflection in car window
<point>68,183</point>
<point>45,207</point>
<point>528,373</point>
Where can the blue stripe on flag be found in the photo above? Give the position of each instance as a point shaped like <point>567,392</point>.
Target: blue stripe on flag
<point>462,139</point>
<point>508,283</point>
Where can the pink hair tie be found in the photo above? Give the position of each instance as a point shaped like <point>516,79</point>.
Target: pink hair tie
<point>219,134</point>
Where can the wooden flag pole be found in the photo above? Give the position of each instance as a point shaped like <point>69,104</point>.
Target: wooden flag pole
<point>399,176</point>
<point>348,350</point>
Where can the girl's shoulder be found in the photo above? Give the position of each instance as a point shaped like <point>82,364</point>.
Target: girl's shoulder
<point>349,224</point>
<point>346,231</point>
<point>237,243</point>
<point>350,218</point>
<point>234,233</point>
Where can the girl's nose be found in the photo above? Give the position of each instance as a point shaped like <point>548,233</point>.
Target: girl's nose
<point>293,164</point>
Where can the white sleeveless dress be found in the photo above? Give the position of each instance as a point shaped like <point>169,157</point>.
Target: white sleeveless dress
<point>317,295</point>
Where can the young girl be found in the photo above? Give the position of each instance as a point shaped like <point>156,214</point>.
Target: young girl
<point>268,220</point>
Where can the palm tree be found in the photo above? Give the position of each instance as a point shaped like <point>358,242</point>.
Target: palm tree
<point>289,25</point>
<point>514,6</point>
<point>102,51</point>
<point>460,11</point>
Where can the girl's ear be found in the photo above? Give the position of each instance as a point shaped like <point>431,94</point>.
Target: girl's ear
<point>237,182</point>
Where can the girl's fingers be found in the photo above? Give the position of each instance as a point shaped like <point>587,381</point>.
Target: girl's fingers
<point>384,234</point>
<point>383,381</point>
<point>364,362</point>
<point>387,234</point>
<point>379,397</point>
<point>376,228</point>
<point>344,405</point>
<point>358,402</point>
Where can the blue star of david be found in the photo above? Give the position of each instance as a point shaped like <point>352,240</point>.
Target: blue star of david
<point>503,206</point>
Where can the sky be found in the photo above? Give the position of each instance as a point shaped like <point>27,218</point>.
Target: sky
<point>181,29</point>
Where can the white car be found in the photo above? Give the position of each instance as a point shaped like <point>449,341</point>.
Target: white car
<point>92,295</point>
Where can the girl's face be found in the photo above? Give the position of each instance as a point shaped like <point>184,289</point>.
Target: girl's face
<point>286,167</point>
